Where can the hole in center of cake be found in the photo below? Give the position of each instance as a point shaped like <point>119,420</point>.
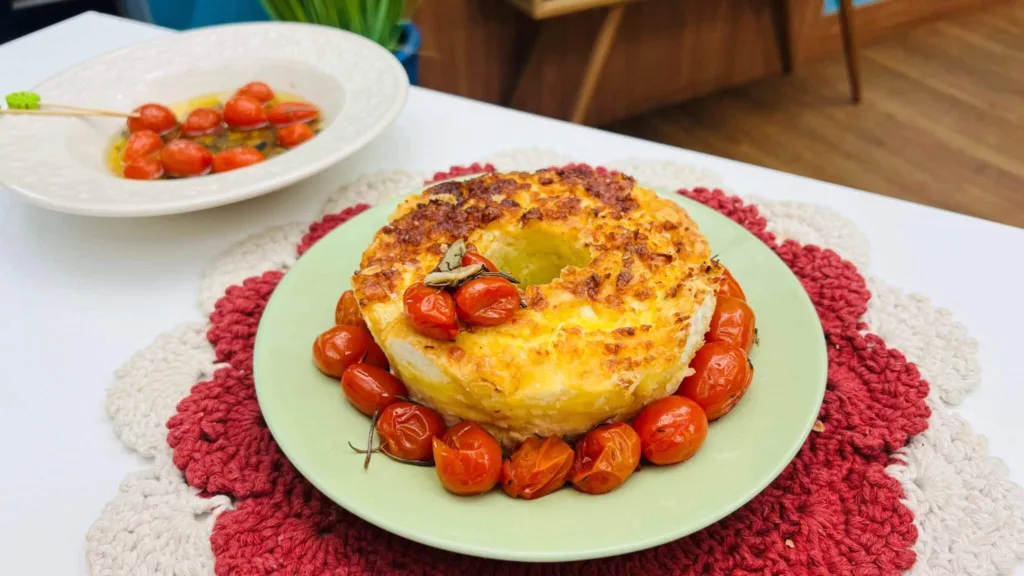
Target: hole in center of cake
<point>536,256</point>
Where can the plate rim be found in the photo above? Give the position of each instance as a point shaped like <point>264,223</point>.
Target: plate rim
<point>266,186</point>
<point>579,554</point>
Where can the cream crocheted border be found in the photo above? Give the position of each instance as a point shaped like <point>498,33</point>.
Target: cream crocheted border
<point>969,514</point>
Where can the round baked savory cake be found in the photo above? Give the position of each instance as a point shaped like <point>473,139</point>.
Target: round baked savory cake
<point>618,288</point>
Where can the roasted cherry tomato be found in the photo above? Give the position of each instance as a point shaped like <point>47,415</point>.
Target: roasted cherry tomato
<point>671,430</point>
<point>258,90</point>
<point>370,388</point>
<point>236,158</point>
<point>294,134</point>
<point>347,310</point>
<point>287,113</point>
<point>468,459</point>
<point>202,121</point>
<point>730,287</point>
<point>477,258</point>
<point>148,168</point>
<point>338,348</point>
<point>141,144</point>
<point>605,458</point>
<point>155,117</point>
<point>409,430</point>
<point>244,113</point>
<point>185,158</point>
<point>732,322</point>
<point>537,468</point>
<point>375,356</point>
<point>431,311</point>
<point>487,301</point>
<point>722,373</point>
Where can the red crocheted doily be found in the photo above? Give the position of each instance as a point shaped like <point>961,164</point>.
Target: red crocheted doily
<point>833,510</point>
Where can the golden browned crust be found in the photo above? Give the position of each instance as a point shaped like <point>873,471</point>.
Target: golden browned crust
<point>452,210</point>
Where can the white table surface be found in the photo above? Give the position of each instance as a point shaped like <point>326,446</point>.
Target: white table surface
<point>79,295</point>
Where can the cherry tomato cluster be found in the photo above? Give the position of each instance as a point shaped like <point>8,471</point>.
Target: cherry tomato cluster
<point>158,147</point>
<point>469,461</point>
<point>487,300</point>
<point>722,370</point>
<point>468,458</point>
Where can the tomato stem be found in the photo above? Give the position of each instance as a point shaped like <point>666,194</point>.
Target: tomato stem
<point>361,450</point>
<point>405,460</point>
<point>369,438</point>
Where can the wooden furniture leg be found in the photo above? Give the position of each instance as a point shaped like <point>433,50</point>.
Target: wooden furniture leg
<point>850,48</point>
<point>783,38</point>
<point>595,63</point>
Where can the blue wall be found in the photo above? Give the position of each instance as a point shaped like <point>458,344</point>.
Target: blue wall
<point>183,14</point>
<point>832,6</point>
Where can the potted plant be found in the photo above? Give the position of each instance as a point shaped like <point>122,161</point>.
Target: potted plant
<point>386,22</point>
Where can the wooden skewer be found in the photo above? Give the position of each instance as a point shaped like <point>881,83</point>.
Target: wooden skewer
<point>97,111</point>
<point>13,111</point>
<point>29,103</point>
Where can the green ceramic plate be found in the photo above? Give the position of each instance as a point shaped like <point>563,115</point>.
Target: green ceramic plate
<point>744,451</point>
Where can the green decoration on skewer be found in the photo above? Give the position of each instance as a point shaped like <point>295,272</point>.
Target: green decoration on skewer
<point>23,101</point>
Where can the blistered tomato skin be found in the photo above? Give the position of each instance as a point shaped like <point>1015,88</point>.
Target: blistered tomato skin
<point>722,374</point>
<point>155,117</point>
<point>477,258</point>
<point>467,459</point>
<point>537,468</point>
<point>733,322</point>
<point>236,158</point>
<point>338,348</point>
<point>294,134</point>
<point>202,121</point>
<point>431,312</point>
<point>370,388</point>
<point>487,301</point>
<point>346,311</point>
<point>730,287</point>
<point>140,145</point>
<point>184,158</point>
<point>409,430</point>
<point>148,168</point>
<point>257,90</point>
<point>287,113</point>
<point>375,356</point>
<point>605,458</point>
<point>244,113</point>
<point>671,430</point>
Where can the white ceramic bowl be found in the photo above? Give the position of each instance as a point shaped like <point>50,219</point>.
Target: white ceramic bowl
<point>59,163</point>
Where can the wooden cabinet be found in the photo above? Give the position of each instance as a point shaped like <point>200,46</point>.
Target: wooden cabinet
<point>665,51</point>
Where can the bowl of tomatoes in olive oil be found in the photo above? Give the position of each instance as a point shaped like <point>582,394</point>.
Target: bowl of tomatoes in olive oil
<point>212,134</point>
<point>220,115</point>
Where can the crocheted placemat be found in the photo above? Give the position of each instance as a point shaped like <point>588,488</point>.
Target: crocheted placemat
<point>890,481</point>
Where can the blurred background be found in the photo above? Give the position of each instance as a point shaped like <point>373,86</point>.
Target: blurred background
<point>916,99</point>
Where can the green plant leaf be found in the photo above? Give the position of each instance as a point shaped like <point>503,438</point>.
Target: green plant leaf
<point>390,19</point>
<point>375,18</point>
<point>378,20</point>
<point>315,10</point>
<point>352,10</point>
<point>270,7</point>
<point>331,14</point>
<point>298,12</point>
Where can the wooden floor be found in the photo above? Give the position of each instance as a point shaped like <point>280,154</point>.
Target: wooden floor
<point>942,122</point>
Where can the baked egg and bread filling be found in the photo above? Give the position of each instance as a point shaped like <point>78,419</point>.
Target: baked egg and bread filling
<point>615,291</point>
